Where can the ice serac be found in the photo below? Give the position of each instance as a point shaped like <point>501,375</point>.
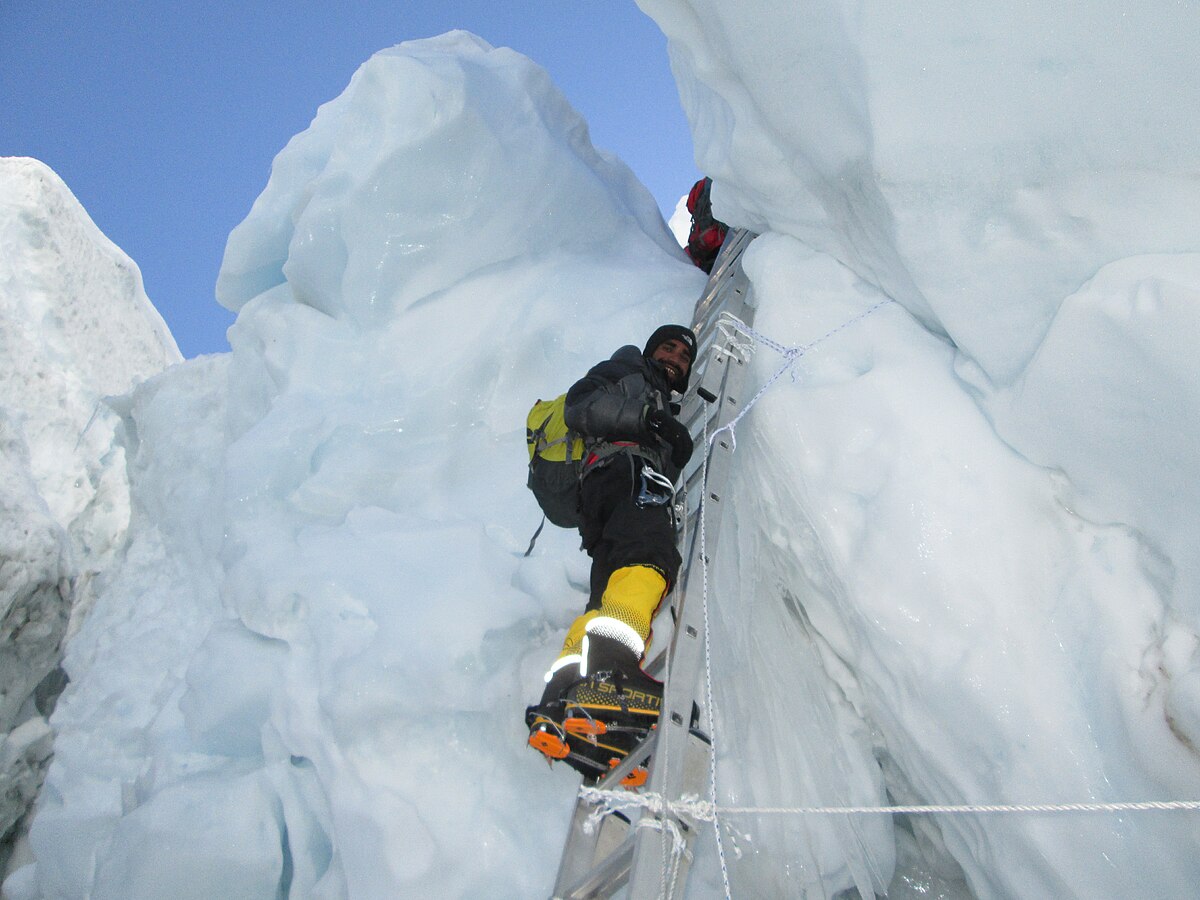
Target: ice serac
<point>984,521</point>
<point>75,326</point>
<point>321,694</point>
<point>976,164</point>
<point>367,236</point>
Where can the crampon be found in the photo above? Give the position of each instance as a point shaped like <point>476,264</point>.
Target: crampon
<point>601,720</point>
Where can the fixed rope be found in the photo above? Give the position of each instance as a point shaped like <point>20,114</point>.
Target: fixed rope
<point>789,354</point>
<point>708,685</point>
<point>706,811</point>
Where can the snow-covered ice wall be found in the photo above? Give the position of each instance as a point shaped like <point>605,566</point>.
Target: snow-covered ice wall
<point>972,515</point>
<point>75,327</point>
<point>308,675</point>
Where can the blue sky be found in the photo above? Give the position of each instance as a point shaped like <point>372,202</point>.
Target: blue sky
<point>163,118</point>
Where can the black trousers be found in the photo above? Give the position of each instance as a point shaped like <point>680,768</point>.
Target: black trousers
<point>617,532</point>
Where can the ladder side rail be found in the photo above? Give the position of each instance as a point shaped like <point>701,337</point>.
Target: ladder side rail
<point>686,659</point>
<point>712,380</point>
<point>727,365</point>
<point>712,375</point>
<point>580,851</point>
<point>727,260</point>
<point>735,281</point>
<point>697,493</point>
<point>715,297</point>
<point>730,297</point>
<point>693,494</point>
<point>703,419</point>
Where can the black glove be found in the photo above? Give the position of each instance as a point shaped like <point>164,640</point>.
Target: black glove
<point>662,423</point>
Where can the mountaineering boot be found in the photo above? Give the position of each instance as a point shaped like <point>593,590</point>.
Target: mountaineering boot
<point>611,708</point>
<point>598,704</point>
<point>579,747</point>
<point>545,718</point>
<point>612,687</point>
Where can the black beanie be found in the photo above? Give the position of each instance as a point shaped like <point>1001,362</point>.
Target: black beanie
<point>665,333</point>
<point>685,336</point>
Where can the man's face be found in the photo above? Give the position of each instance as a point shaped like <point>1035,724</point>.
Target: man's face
<point>673,354</point>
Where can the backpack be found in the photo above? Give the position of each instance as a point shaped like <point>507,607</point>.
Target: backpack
<point>555,458</point>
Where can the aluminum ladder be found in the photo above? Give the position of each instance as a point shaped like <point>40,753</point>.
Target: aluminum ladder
<point>638,850</point>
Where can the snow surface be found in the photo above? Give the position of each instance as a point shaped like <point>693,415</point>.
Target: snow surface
<point>680,221</point>
<point>958,566</point>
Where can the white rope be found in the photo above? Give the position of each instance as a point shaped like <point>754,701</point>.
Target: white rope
<point>729,333</point>
<point>670,873</point>
<point>952,809</point>
<point>789,354</point>
<point>609,801</point>
<point>673,852</point>
<point>708,688</point>
<point>707,811</point>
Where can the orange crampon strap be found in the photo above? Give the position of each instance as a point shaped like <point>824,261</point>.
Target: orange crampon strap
<point>584,727</point>
<point>636,778</point>
<point>547,741</point>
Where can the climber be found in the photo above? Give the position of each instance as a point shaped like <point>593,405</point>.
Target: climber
<point>707,234</point>
<point>635,452</point>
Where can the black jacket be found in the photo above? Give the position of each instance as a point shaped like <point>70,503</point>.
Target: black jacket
<point>608,407</point>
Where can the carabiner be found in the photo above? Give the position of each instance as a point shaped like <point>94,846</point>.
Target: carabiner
<point>656,489</point>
